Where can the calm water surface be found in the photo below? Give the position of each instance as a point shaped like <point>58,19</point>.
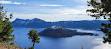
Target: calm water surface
<point>75,42</point>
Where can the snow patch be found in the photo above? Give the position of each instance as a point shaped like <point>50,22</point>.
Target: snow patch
<point>56,27</point>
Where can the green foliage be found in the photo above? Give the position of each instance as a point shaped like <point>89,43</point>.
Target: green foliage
<point>31,48</point>
<point>5,27</point>
<point>11,43</point>
<point>33,35</point>
<point>102,8</point>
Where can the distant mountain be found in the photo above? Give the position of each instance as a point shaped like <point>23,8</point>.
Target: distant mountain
<point>38,23</point>
<point>29,23</point>
<point>57,31</point>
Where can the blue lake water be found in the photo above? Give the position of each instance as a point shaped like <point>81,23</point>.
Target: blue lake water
<point>75,42</point>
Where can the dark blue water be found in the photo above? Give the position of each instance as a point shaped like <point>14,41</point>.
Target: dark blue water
<point>75,42</point>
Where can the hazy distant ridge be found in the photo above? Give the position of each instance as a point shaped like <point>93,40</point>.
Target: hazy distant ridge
<point>38,23</point>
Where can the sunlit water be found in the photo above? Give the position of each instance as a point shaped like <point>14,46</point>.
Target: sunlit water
<point>75,42</point>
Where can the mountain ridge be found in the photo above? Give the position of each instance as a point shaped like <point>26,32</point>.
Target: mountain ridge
<point>38,23</point>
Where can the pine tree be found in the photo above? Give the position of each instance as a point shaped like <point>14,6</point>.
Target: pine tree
<point>102,9</point>
<point>34,36</point>
<point>31,48</point>
<point>5,26</point>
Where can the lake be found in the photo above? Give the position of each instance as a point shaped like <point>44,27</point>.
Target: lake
<point>75,42</point>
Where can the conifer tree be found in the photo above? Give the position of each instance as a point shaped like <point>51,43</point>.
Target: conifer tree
<point>34,36</point>
<point>5,26</point>
<point>102,9</point>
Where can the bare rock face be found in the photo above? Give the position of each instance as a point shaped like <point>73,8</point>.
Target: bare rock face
<point>57,31</point>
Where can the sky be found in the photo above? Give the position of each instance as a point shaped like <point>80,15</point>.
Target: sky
<point>48,10</point>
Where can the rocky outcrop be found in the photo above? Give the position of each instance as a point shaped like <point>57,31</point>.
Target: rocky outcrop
<point>57,32</point>
<point>8,46</point>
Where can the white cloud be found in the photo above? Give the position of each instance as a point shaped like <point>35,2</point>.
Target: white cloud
<point>62,14</point>
<point>50,5</point>
<point>17,3</point>
<point>9,2</point>
<point>58,14</point>
<point>65,11</point>
<point>54,17</point>
<point>101,44</point>
<point>5,2</point>
<point>73,11</point>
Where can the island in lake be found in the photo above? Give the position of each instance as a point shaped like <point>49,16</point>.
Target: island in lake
<point>57,32</point>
